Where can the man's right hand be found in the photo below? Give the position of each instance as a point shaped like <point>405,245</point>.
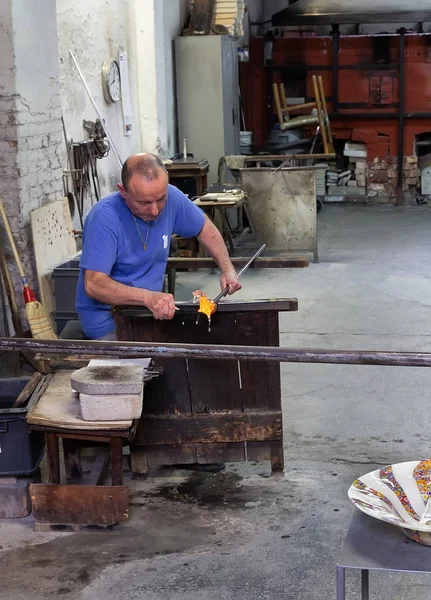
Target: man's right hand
<point>161,305</point>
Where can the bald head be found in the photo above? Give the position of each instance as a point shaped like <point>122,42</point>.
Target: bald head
<point>148,166</point>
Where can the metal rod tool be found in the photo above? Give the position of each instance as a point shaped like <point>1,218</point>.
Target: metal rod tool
<point>245,267</point>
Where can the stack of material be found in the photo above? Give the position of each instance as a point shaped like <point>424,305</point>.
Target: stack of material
<point>357,154</point>
<point>110,392</point>
<point>230,14</point>
<point>321,169</point>
<point>352,181</point>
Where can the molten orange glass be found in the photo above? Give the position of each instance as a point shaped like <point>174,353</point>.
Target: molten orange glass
<point>206,306</point>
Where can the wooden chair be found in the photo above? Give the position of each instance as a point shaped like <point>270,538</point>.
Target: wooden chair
<point>321,117</point>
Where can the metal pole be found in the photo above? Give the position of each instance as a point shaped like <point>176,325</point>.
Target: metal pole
<point>341,583</point>
<point>401,117</point>
<point>204,351</point>
<point>99,114</point>
<point>335,66</point>
<point>365,584</point>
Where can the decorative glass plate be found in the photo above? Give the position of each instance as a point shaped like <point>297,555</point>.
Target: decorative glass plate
<point>398,494</point>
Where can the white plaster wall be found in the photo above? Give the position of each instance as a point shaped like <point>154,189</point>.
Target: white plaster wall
<point>157,24</point>
<point>95,31</point>
<point>145,35</point>
<point>31,139</point>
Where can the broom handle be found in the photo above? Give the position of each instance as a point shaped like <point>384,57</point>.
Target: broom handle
<point>12,243</point>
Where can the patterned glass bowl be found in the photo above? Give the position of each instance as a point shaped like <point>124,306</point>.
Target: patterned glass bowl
<point>397,494</point>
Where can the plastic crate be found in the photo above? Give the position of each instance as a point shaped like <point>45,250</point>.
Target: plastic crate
<point>65,277</point>
<point>20,450</point>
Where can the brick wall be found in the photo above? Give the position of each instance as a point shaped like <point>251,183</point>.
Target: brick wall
<point>382,177</point>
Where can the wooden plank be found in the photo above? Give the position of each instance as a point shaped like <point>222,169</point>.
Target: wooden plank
<point>27,391</point>
<point>251,328</point>
<point>214,385</point>
<point>272,338</point>
<point>258,451</point>
<point>170,391</point>
<point>283,157</point>
<point>154,456</point>
<point>185,454</point>
<point>79,505</point>
<point>54,242</point>
<point>220,453</point>
<point>213,428</point>
<point>266,262</point>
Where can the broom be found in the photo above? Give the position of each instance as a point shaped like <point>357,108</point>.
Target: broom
<point>39,325</point>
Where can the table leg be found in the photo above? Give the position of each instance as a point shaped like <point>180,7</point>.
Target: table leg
<point>172,273</point>
<point>341,583</point>
<point>117,461</point>
<point>53,458</point>
<point>226,229</point>
<point>365,584</point>
<point>277,456</point>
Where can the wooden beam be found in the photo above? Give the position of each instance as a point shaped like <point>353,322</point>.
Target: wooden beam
<point>288,108</point>
<point>259,426</point>
<point>238,306</point>
<point>79,504</point>
<point>27,391</point>
<point>283,157</point>
<point>259,263</point>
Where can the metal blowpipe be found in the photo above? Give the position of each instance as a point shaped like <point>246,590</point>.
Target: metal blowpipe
<point>245,267</point>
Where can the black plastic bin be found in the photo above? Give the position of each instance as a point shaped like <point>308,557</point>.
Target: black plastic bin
<point>20,450</point>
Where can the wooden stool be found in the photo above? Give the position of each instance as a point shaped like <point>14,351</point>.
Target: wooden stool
<point>57,415</point>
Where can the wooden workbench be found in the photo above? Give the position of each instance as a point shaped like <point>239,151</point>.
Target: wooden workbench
<point>56,413</point>
<point>202,411</point>
<point>189,168</point>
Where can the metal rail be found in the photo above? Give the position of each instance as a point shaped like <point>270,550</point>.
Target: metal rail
<point>266,353</point>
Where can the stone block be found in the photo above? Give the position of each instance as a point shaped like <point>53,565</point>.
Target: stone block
<point>355,150</point>
<point>108,380</point>
<point>392,173</point>
<point>109,407</point>
<point>411,180</point>
<point>352,183</point>
<point>14,497</point>
<point>411,160</point>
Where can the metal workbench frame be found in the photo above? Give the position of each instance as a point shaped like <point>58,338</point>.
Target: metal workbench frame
<point>372,545</point>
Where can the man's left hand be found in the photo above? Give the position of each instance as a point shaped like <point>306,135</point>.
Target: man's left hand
<point>230,278</point>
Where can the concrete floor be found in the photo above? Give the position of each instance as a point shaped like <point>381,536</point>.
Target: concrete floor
<point>276,538</point>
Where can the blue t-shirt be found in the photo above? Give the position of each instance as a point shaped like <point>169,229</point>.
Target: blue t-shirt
<point>111,244</point>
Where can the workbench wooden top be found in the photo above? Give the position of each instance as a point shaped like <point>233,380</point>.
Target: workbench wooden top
<point>225,306</point>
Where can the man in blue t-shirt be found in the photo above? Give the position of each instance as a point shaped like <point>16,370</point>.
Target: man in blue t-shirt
<point>126,241</point>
